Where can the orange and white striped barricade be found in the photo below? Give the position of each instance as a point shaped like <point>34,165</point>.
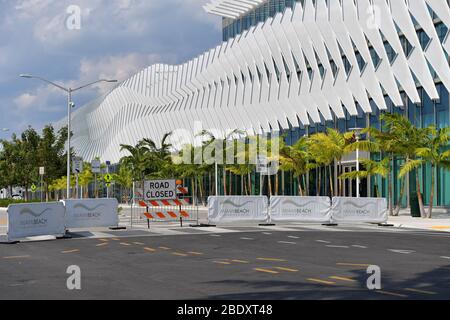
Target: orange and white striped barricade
<point>168,211</point>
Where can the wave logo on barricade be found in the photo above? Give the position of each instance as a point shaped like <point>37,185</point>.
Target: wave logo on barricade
<point>352,208</point>
<point>90,212</point>
<point>237,208</point>
<point>303,209</point>
<point>230,209</point>
<point>300,209</point>
<point>36,220</point>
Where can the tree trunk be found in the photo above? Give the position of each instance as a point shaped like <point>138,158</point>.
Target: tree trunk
<point>419,195</point>
<point>269,178</point>
<point>331,181</point>
<point>277,184</point>
<point>433,179</point>
<point>399,202</point>
<point>300,189</point>
<point>224,182</point>
<point>390,193</point>
<point>231,183</point>
<point>250,191</point>
<point>319,182</point>
<point>306,191</point>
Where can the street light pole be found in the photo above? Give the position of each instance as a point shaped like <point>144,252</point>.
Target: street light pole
<point>358,180</point>
<point>70,105</point>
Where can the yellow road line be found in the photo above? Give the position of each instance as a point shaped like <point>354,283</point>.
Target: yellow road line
<point>115,239</point>
<point>266,270</point>
<point>149,249</point>
<point>103,240</point>
<point>165,248</point>
<point>321,281</point>
<point>15,257</point>
<point>179,254</point>
<point>420,291</point>
<point>221,262</point>
<point>125,244</point>
<point>343,279</point>
<point>241,261</point>
<point>71,251</point>
<point>440,227</point>
<point>271,259</point>
<point>102,244</point>
<point>195,253</point>
<point>138,243</point>
<point>353,265</point>
<point>286,269</point>
<point>394,294</point>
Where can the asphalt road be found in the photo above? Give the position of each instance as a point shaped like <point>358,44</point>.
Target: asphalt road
<point>255,265</point>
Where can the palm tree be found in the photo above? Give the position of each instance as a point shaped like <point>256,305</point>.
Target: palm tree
<point>136,161</point>
<point>296,159</point>
<point>431,153</point>
<point>372,168</point>
<point>124,178</point>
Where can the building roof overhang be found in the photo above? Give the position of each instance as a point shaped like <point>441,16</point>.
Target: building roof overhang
<point>232,9</point>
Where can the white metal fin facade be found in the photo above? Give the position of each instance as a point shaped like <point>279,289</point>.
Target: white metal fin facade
<point>310,63</point>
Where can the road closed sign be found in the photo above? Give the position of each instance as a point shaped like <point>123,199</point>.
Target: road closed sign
<point>160,190</point>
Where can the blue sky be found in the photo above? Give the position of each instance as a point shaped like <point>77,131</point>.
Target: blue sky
<point>116,39</point>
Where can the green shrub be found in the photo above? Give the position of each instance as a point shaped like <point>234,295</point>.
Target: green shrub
<point>4,203</point>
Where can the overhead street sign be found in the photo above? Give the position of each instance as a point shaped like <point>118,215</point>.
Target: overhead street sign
<point>77,165</point>
<point>96,166</point>
<point>160,190</point>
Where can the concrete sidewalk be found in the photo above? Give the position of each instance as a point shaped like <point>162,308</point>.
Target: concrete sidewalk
<point>439,222</point>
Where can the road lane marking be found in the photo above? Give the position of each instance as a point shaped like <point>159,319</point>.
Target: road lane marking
<point>338,247</point>
<point>215,235</point>
<point>267,233</point>
<point>71,251</point>
<point>241,261</point>
<point>15,257</point>
<point>102,244</point>
<point>394,294</point>
<point>323,241</point>
<point>353,265</point>
<point>286,269</point>
<point>125,244</point>
<point>293,237</point>
<point>149,249</point>
<point>321,281</point>
<point>401,251</point>
<point>165,248</point>
<point>221,262</point>
<point>179,254</point>
<point>343,279</point>
<point>138,243</point>
<point>247,238</point>
<point>195,253</point>
<point>271,259</point>
<point>103,240</point>
<point>444,257</point>
<point>420,291</point>
<point>115,239</point>
<point>266,271</point>
<point>359,247</point>
<point>287,242</point>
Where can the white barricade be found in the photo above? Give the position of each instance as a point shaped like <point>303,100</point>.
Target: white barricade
<point>300,209</point>
<point>238,209</point>
<point>91,213</point>
<point>359,210</point>
<point>37,219</point>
